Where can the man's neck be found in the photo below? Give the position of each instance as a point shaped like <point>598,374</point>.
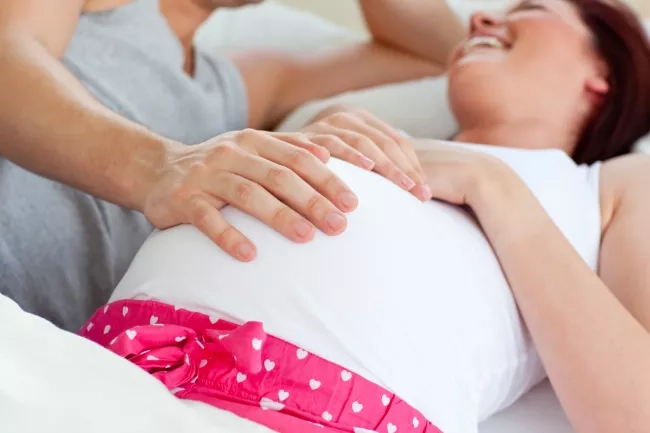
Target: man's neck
<point>184,18</point>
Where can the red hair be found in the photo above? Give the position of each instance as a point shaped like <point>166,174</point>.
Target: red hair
<point>624,116</point>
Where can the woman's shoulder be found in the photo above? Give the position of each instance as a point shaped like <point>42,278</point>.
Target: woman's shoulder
<point>624,180</point>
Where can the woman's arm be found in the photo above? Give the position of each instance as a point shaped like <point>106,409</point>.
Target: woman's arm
<point>596,353</point>
<point>427,28</point>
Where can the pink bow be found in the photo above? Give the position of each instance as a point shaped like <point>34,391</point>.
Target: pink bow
<point>174,354</point>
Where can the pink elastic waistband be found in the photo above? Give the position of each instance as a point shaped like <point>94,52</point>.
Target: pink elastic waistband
<point>241,369</point>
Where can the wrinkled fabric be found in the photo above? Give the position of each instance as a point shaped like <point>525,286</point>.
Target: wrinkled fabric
<point>242,369</point>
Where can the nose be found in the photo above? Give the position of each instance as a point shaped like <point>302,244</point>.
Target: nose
<point>481,21</point>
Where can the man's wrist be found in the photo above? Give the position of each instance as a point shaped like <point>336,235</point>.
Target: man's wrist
<point>136,181</point>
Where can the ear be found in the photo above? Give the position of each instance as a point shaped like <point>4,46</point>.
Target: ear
<point>597,87</point>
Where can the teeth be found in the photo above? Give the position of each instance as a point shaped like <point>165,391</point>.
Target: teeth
<point>482,41</point>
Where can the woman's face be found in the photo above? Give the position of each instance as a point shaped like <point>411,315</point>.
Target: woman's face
<point>535,61</point>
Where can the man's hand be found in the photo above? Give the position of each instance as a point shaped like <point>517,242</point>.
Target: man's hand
<point>362,139</point>
<point>280,179</point>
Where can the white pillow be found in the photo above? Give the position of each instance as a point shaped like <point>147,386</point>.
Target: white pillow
<point>270,25</point>
<point>419,108</point>
<point>54,381</point>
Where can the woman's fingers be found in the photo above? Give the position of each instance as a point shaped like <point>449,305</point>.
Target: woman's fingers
<point>394,135</point>
<point>336,146</point>
<point>205,217</point>
<point>306,142</point>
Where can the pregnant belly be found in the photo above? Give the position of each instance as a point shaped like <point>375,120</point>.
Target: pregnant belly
<point>410,296</point>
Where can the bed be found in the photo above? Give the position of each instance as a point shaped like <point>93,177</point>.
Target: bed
<point>53,381</point>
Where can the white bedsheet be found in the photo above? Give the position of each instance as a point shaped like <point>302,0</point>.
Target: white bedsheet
<point>537,412</point>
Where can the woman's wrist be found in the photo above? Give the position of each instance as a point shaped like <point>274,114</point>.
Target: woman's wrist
<point>504,205</point>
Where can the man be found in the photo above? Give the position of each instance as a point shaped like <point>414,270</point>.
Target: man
<point>100,101</point>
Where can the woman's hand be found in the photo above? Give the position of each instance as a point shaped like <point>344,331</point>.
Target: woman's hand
<point>498,197</point>
<point>281,181</point>
<point>360,138</point>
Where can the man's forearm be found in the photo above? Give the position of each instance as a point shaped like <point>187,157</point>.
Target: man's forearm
<point>51,125</point>
<point>426,28</point>
<point>279,82</point>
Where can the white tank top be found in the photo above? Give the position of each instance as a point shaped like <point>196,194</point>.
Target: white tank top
<point>411,296</point>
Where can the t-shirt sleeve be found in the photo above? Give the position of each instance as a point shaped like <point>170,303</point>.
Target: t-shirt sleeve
<point>219,75</point>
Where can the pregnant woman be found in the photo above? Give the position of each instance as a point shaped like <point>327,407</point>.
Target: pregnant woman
<point>410,320</point>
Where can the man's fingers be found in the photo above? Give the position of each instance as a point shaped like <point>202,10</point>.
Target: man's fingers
<point>253,199</point>
<point>308,168</point>
<point>289,188</point>
<point>209,220</point>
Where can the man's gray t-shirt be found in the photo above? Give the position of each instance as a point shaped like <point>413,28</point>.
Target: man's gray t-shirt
<point>61,251</point>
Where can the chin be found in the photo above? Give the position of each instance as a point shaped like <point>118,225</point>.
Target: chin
<point>477,89</point>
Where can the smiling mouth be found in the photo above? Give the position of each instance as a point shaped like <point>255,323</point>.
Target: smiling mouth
<point>482,42</point>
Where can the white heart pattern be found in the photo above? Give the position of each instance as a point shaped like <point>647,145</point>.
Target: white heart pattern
<point>301,354</point>
<point>222,336</point>
<point>269,365</point>
<point>241,377</point>
<point>314,384</point>
<point>268,404</point>
<point>416,422</point>
<point>257,343</point>
<point>90,326</point>
<point>175,390</point>
<point>125,310</point>
<point>327,416</point>
<point>200,344</point>
<point>113,341</point>
<point>385,400</point>
<point>179,339</point>
<point>131,334</point>
<point>357,407</point>
<point>203,363</point>
<point>392,428</point>
<point>107,329</point>
<point>153,320</point>
<point>214,319</point>
<point>283,395</point>
<point>105,309</point>
<point>346,375</point>
<point>152,358</point>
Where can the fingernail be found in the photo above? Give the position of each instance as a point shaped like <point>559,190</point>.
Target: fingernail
<point>303,228</point>
<point>366,163</point>
<point>335,221</point>
<point>349,200</point>
<point>424,192</point>
<point>245,251</point>
<point>406,182</point>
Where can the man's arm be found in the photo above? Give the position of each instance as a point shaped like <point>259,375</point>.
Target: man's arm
<point>428,29</point>
<point>50,124</point>
<point>279,82</point>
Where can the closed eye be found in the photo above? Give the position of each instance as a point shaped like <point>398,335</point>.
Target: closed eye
<point>527,5</point>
